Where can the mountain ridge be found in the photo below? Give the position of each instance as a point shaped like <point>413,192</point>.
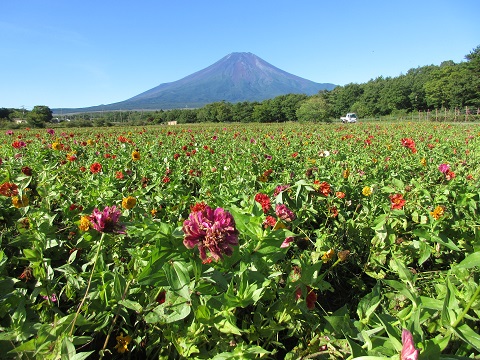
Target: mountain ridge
<point>237,77</point>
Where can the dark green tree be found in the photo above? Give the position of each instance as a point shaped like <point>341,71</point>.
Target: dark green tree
<point>39,115</point>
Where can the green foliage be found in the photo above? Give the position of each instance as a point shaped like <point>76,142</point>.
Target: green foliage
<point>315,109</point>
<point>355,272</point>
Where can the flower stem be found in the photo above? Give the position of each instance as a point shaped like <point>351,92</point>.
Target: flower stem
<point>467,308</point>
<point>114,320</point>
<point>88,285</point>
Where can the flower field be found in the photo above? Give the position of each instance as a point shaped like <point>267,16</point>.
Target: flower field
<point>234,241</point>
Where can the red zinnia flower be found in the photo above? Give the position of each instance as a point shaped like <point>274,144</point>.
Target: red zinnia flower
<point>409,143</point>
<point>198,207</point>
<point>449,175</point>
<point>161,297</point>
<point>311,298</point>
<point>9,189</point>
<point>397,201</point>
<point>95,168</point>
<point>27,171</point>
<point>19,144</point>
<point>269,221</point>
<point>263,200</point>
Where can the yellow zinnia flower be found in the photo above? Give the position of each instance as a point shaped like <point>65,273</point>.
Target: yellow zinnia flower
<point>328,256</point>
<point>122,343</point>
<point>56,146</point>
<point>20,203</point>
<point>367,191</point>
<point>346,173</point>
<point>129,202</point>
<point>90,142</point>
<point>84,223</point>
<point>135,155</point>
<point>423,162</point>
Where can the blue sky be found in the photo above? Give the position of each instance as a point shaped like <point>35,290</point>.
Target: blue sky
<point>65,54</point>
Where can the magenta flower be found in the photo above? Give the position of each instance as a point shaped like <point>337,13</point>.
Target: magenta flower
<point>212,230</point>
<point>444,168</point>
<point>284,213</point>
<point>53,297</point>
<point>107,221</point>
<point>51,131</point>
<point>287,241</point>
<point>409,352</point>
<point>279,189</point>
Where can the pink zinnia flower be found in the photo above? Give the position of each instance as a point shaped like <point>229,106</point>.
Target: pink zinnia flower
<point>287,241</point>
<point>284,213</point>
<point>409,352</point>
<point>212,230</point>
<point>279,189</point>
<point>107,221</point>
<point>443,168</point>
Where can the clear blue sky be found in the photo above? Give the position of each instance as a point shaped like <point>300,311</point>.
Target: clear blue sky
<point>64,54</point>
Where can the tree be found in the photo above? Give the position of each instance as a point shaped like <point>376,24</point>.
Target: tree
<point>315,108</point>
<point>39,115</point>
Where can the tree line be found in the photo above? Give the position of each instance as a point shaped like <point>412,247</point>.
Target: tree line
<point>449,85</point>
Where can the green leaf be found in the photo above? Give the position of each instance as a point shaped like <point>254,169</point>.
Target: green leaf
<point>3,260</point>
<point>369,303</point>
<point>468,335</point>
<point>119,286</point>
<point>68,349</point>
<point>132,305</point>
<point>227,327</point>
<point>402,271</point>
<point>174,308</point>
<point>178,277</point>
<point>450,303</point>
<point>203,314</point>
<point>470,261</point>
<point>391,331</point>
<point>82,355</point>
<point>356,349</point>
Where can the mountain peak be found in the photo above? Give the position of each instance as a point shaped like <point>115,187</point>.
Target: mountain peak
<point>237,77</point>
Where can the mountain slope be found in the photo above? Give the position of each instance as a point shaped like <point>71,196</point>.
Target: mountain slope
<point>234,78</point>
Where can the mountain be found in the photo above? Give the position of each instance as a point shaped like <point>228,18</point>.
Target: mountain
<point>236,77</point>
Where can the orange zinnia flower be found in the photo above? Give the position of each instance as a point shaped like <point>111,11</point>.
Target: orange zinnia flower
<point>397,201</point>
<point>438,212</point>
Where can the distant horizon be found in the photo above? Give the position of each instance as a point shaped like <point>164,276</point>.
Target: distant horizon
<point>54,59</point>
